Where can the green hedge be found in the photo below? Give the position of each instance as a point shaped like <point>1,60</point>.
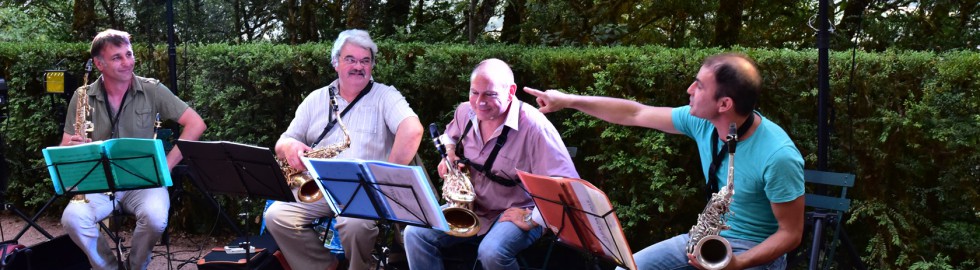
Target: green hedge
<point>906,123</point>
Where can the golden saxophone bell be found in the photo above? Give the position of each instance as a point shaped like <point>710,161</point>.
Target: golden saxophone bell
<point>458,192</point>
<point>463,222</point>
<point>302,181</point>
<point>306,189</point>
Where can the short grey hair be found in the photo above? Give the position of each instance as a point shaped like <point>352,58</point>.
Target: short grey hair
<point>357,37</point>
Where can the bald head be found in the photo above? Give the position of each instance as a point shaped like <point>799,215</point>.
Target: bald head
<point>494,70</point>
<point>737,78</point>
<point>492,89</point>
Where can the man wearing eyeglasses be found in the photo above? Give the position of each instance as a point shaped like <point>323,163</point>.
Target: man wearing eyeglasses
<point>382,127</point>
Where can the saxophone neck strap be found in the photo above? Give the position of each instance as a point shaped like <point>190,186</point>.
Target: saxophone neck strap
<point>113,121</point>
<point>485,168</point>
<point>347,109</point>
<point>712,186</point>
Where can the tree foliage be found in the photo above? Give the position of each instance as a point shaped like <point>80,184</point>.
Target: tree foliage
<point>933,25</point>
<point>908,128</point>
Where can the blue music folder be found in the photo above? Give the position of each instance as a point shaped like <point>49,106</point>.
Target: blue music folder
<point>378,190</point>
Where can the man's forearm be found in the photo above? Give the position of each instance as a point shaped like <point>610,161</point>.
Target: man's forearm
<point>407,140</point>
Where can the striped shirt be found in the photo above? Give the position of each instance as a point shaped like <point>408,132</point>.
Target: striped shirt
<point>372,122</point>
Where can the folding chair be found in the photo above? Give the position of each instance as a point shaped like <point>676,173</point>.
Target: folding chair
<point>826,212</point>
<point>116,219</point>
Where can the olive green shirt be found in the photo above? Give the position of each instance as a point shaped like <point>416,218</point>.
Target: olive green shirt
<point>145,98</point>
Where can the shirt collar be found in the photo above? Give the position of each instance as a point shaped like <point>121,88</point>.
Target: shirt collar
<point>513,116</point>
<point>97,88</point>
<point>513,113</point>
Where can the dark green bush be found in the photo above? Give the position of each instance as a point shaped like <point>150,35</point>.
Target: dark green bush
<point>906,123</point>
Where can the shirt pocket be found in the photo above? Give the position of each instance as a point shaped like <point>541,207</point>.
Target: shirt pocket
<point>363,118</point>
<point>506,165</point>
<point>144,117</point>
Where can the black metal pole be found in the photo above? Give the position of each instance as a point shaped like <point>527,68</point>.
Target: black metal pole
<point>823,81</point>
<point>171,47</point>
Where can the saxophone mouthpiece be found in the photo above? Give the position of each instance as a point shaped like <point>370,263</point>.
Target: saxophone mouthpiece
<point>434,132</point>
<point>732,138</point>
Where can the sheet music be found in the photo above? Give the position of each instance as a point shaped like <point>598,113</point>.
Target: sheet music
<point>602,233</point>
<point>137,172</point>
<point>594,201</point>
<point>402,192</point>
<point>403,202</point>
<point>132,165</point>
<point>70,174</point>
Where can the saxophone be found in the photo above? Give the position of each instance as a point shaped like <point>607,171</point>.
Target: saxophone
<point>457,190</point>
<point>83,126</point>
<point>306,190</point>
<point>710,249</point>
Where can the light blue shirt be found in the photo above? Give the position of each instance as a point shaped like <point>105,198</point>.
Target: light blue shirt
<point>768,169</point>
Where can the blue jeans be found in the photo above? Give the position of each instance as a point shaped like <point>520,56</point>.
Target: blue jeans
<point>672,254</point>
<point>498,249</point>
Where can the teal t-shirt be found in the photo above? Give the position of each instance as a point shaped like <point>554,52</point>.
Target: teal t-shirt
<point>768,169</point>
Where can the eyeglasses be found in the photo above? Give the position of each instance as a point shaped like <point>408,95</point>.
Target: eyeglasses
<point>367,62</point>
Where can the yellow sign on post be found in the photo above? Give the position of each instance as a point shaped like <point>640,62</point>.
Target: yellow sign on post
<point>54,81</point>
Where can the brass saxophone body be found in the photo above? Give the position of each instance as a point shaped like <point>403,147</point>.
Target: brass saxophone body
<point>83,125</point>
<point>706,244</point>
<point>301,180</point>
<point>457,190</point>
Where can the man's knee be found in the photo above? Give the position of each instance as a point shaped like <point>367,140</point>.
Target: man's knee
<point>77,218</point>
<point>155,221</point>
<point>493,254</point>
<point>413,236</point>
<point>274,218</point>
<point>356,226</point>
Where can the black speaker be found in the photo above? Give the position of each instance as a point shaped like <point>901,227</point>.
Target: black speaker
<point>57,253</point>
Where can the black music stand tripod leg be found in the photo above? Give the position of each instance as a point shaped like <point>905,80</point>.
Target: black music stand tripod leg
<point>31,222</point>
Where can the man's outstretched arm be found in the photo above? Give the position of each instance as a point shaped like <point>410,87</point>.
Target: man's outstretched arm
<point>613,110</point>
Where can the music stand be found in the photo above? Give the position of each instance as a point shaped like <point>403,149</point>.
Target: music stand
<point>377,190</point>
<point>108,166</point>
<point>580,215</point>
<point>237,169</point>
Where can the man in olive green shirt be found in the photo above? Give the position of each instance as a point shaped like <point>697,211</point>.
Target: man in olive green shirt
<point>125,106</point>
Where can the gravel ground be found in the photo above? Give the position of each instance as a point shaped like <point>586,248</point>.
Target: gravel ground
<point>185,249</point>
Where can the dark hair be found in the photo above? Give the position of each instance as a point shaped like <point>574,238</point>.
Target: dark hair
<point>738,78</point>
<point>115,37</point>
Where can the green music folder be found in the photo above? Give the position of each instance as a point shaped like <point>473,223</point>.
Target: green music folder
<point>132,164</point>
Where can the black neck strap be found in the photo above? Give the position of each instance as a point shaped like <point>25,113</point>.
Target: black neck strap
<point>716,159</point>
<point>113,121</point>
<point>347,109</point>
<point>486,167</point>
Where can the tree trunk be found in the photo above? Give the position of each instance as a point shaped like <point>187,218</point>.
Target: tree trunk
<point>853,13</point>
<point>395,16</point>
<point>728,23</point>
<point>479,17</point>
<point>309,29</point>
<point>83,20</point>
<point>420,13</point>
<point>358,13</point>
<point>110,10</point>
<point>470,22</point>
<point>513,18</point>
<point>290,24</point>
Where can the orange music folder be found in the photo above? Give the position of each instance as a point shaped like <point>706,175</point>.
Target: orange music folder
<point>580,215</point>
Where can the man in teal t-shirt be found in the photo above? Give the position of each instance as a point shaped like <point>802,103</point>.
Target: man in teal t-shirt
<point>768,201</point>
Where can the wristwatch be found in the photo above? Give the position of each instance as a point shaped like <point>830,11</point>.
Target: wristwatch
<point>527,217</point>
